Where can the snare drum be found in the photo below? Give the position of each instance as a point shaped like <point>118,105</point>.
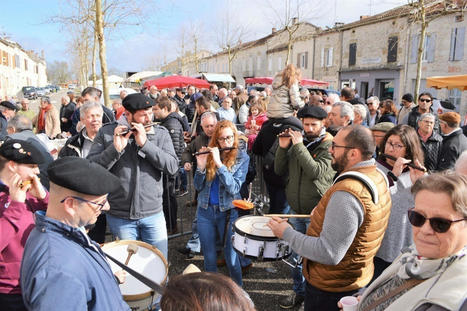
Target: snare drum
<point>253,239</point>
<point>148,261</point>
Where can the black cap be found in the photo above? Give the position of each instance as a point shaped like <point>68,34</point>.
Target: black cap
<point>312,112</point>
<point>21,151</point>
<point>408,97</point>
<point>137,101</point>
<point>8,105</point>
<point>83,176</point>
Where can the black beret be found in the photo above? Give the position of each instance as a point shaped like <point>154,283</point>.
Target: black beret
<point>408,97</point>
<point>83,176</point>
<point>21,151</point>
<point>137,101</point>
<point>312,112</point>
<point>8,105</point>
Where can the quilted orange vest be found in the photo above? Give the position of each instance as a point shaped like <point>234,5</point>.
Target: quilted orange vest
<point>356,268</point>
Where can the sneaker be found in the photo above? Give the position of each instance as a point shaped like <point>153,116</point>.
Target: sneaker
<point>291,301</point>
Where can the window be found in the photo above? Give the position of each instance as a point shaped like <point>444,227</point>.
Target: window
<point>457,44</point>
<point>302,60</point>
<point>279,63</point>
<point>392,49</point>
<point>270,63</point>
<point>352,54</point>
<point>329,57</point>
<point>5,58</point>
<point>455,97</point>
<point>258,62</point>
<point>428,48</point>
<point>25,65</point>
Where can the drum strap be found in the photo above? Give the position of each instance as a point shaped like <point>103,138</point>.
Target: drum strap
<point>227,220</point>
<point>150,283</point>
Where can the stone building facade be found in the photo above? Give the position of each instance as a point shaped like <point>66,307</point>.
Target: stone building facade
<point>19,68</point>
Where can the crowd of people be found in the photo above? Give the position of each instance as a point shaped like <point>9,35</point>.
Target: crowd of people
<point>369,174</point>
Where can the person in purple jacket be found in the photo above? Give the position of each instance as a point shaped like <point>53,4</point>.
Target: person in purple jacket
<point>21,194</point>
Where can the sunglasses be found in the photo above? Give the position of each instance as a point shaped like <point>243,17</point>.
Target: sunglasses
<point>426,100</point>
<point>438,224</point>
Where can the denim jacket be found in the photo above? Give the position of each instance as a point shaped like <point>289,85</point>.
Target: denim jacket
<point>230,183</point>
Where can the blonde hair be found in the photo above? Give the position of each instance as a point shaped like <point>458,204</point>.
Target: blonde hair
<point>290,75</point>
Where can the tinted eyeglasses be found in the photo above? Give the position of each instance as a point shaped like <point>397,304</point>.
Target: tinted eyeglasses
<point>426,100</point>
<point>99,205</point>
<point>438,224</point>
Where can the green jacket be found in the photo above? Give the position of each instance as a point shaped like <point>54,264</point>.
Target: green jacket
<point>309,173</point>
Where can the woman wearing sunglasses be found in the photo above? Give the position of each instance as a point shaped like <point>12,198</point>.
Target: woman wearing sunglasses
<point>431,275</point>
<point>399,147</point>
<point>219,175</point>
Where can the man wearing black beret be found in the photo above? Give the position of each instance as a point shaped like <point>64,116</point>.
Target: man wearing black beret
<point>21,194</point>
<point>7,111</point>
<point>62,268</point>
<point>306,159</point>
<point>138,153</point>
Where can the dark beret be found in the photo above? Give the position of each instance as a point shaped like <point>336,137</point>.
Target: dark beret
<point>8,105</point>
<point>83,176</point>
<point>137,101</point>
<point>312,112</point>
<point>21,151</point>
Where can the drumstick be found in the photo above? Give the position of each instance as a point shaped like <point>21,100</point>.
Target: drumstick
<point>390,157</point>
<point>288,215</point>
<point>131,249</point>
<point>133,129</point>
<point>208,151</point>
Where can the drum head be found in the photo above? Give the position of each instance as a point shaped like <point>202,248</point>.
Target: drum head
<point>148,261</point>
<point>255,226</point>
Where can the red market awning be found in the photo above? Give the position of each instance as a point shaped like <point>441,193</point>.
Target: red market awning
<point>449,82</point>
<point>310,82</point>
<point>177,81</point>
<point>259,80</point>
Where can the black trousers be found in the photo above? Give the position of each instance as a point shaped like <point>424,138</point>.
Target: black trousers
<point>97,231</point>
<point>169,202</point>
<point>380,266</point>
<point>319,300</point>
<point>12,302</point>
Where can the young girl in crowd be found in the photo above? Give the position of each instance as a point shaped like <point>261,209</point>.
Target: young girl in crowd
<point>255,120</point>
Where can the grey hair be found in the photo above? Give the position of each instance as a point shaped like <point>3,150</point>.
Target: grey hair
<point>208,114</point>
<point>426,115</point>
<point>334,97</point>
<point>224,91</point>
<point>20,123</point>
<point>374,99</point>
<point>360,109</point>
<point>88,105</point>
<point>346,109</point>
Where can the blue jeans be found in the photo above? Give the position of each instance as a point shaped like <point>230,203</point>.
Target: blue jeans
<point>300,225</point>
<point>149,229</point>
<point>193,243</point>
<point>211,223</point>
<point>277,200</point>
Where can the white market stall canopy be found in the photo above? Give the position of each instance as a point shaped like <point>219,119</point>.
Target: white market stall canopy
<point>137,77</point>
<point>217,77</point>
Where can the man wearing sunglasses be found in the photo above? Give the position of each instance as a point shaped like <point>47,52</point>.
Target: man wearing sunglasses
<point>346,226</point>
<point>62,268</point>
<point>425,101</point>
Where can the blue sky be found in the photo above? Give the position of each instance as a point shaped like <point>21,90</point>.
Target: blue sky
<point>141,47</point>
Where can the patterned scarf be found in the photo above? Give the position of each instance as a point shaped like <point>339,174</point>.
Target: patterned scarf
<point>41,118</point>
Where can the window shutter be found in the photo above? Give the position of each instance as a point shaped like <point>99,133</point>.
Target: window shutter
<point>459,51</point>
<point>352,54</point>
<point>392,49</point>
<point>452,48</point>
<point>329,64</point>
<point>306,60</point>
<point>322,57</point>
<point>430,57</point>
<point>414,49</point>
<point>298,60</point>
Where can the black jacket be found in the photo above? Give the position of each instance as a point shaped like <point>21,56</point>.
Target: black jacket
<point>431,149</point>
<point>180,102</point>
<point>73,145</point>
<point>453,145</point>
<point>66,112</point>
<point>174,125</point>
<point>414,116</point>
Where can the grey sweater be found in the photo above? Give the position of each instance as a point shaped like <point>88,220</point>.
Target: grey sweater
<point>344,215</point>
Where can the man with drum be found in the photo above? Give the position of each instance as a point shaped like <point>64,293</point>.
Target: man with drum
<point>138,153</point>
<point>346,227</point>
<point>62,268</point>
<point>306,161</point>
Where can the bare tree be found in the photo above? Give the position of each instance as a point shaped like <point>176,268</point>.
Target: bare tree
<point>425,12</point>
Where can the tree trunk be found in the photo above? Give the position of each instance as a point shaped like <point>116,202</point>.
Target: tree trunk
<point>421,43</point>
<point>100,36</point>
<point>289,47</point>
<point>93,60</point>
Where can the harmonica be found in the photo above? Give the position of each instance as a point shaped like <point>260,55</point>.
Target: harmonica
<point>25,183</point>
<point>209,151</point>
<point>390,157</point>
<point>284,135</point>
<point>134,129</point>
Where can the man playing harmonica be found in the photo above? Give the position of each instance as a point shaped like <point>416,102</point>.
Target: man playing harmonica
<point>138,153</point>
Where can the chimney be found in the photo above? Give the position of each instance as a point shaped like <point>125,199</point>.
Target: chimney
<point>362,17</point>
<point>294,20</point>
<point>274,29</point>
<point>338,24</point>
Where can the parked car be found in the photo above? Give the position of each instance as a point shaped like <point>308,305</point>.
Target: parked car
<point>71,86</point>
<point>40,91</point>
<point>29,92</point>
<point>115,93</point>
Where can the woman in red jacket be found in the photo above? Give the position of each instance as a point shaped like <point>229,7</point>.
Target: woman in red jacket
<point>21,194</point>
<point>255,120</point>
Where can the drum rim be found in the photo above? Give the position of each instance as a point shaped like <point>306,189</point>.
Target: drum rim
<point>249,235</point>
<point>150,247</point>
<point>264,258</point>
